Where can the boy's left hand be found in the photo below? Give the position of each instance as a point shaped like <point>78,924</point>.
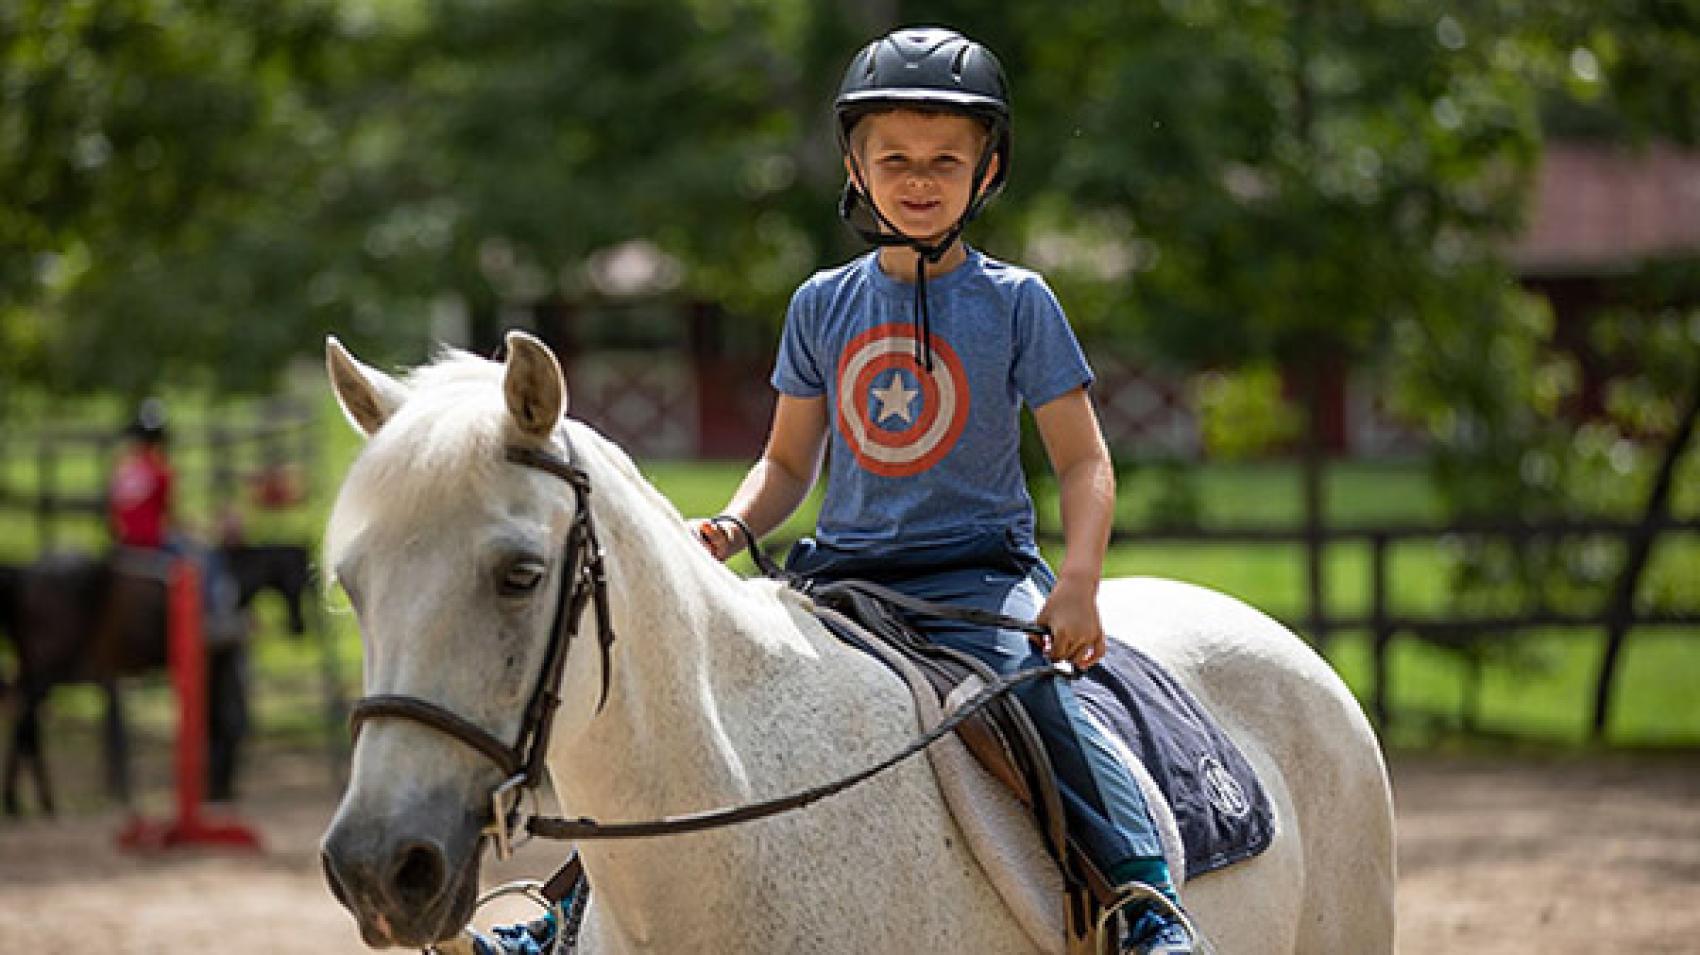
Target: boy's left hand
<point>1071,613</point>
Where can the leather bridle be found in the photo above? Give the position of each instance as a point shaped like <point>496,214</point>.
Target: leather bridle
<point>583,581</point>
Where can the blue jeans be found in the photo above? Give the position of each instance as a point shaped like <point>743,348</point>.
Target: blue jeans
<point>218,592</point>
<point>1106,811</point>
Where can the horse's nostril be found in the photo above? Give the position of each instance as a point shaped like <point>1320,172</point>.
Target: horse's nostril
<point>419,874</point>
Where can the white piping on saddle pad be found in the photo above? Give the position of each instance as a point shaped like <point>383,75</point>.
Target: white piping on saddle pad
<point>1162,814</point>
<point>998,830</point>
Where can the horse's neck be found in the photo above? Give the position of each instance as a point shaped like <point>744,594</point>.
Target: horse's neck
<point>725,692</point>
<point>708,679</point>
<point>693,645</point>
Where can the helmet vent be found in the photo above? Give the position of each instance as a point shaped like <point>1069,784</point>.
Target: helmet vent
<point>956,63</point>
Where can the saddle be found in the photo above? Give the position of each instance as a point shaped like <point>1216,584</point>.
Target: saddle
<point>1001,737</point>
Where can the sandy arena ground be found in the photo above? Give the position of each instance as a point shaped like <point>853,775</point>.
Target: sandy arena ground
<point>1496,856</point>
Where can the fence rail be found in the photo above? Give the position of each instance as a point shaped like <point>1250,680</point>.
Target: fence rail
<point>1383,623</point>
<point>274,433</point>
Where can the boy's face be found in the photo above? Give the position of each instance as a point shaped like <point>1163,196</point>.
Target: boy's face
<point>919,167</point>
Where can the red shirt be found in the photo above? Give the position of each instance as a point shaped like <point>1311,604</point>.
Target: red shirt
<point>139,501</point>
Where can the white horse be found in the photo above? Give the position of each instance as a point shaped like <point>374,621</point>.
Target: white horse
<point>722,691</point>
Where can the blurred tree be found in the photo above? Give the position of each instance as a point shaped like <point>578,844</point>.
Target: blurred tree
<point>132,134</point>
<point>556,130</point>
<point>1502,406</point>
<point>190,185</point>
<point>1500,402</point>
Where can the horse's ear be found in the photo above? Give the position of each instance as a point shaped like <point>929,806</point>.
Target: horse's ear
<point>367,395</point>
<point>536,393</point>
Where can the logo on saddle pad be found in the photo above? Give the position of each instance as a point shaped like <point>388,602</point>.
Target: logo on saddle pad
<point>898,418</point>
<point>1222,789</point>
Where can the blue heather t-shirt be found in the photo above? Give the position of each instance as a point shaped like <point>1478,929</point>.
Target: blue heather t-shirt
<point>918,459</point>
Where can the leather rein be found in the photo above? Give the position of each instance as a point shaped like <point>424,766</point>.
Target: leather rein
<point>522,762</point>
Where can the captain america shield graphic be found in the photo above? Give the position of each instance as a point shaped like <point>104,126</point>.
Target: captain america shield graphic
<point>897,418</point>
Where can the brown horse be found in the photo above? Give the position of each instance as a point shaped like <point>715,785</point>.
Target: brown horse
<point>76,618</point>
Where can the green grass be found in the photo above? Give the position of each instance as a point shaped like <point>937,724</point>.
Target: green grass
<point>1540,693</point>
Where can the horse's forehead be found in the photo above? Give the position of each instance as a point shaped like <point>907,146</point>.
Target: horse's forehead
<point>402,506</point>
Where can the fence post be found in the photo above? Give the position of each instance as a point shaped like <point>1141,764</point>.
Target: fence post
<point>46,476</point>
<point>1315,541</point>
<point>1381,632</point>
<point>222,467</point>
<point>1621,613</point>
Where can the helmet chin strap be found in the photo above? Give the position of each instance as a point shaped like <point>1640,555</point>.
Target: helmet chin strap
<point>891,236</point>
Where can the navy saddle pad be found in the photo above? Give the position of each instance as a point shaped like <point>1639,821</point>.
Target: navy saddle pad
<point>1222,811</point>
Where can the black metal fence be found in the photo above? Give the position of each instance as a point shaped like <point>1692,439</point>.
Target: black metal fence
<point>274,441</point>
<point>1384,620</point>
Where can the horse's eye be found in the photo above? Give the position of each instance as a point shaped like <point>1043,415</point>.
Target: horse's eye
<point>522,577</point>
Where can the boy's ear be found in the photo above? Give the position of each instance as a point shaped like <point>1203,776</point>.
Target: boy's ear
<point>991,175</point>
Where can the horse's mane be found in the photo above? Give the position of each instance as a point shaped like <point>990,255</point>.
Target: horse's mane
<point>445,443</point>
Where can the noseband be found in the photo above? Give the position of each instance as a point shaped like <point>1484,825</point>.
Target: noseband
<point>583,581</point>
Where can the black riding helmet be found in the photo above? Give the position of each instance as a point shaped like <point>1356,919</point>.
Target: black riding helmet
<point>929,68</point>
<point>923,68</point>
<point>149,423</point>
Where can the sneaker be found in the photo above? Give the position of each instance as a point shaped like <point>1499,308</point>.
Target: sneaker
<point>526,938</point>
<point>1155,931</point>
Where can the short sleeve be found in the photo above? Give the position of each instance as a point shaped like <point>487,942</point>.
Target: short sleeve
<point>1048,360</point>
<point>796,371</point>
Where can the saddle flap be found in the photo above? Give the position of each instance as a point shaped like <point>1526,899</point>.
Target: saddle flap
<point>1001,738</point>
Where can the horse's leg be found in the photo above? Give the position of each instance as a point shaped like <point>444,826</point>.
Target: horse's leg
<point>227,699</point>
<point>26,751</point>
<point>14,760</point>
<point>38,756</point>
<point>117,745</point>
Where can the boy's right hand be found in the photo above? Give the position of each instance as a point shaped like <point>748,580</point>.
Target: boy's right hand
<point>720,537</point>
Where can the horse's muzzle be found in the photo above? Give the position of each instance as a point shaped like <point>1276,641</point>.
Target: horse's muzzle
<point>409,880</point>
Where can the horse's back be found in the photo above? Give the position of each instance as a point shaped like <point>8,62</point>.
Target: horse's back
<point>80,616</point>
<point>1308,738</point>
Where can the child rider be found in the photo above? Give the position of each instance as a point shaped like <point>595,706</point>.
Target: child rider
<point>911,363</point>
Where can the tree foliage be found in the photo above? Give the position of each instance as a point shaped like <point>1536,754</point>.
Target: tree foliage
<point>135,136</point>
<point>199,189</point>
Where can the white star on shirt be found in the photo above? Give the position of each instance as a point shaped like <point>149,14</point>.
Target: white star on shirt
<point>894,400</point>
